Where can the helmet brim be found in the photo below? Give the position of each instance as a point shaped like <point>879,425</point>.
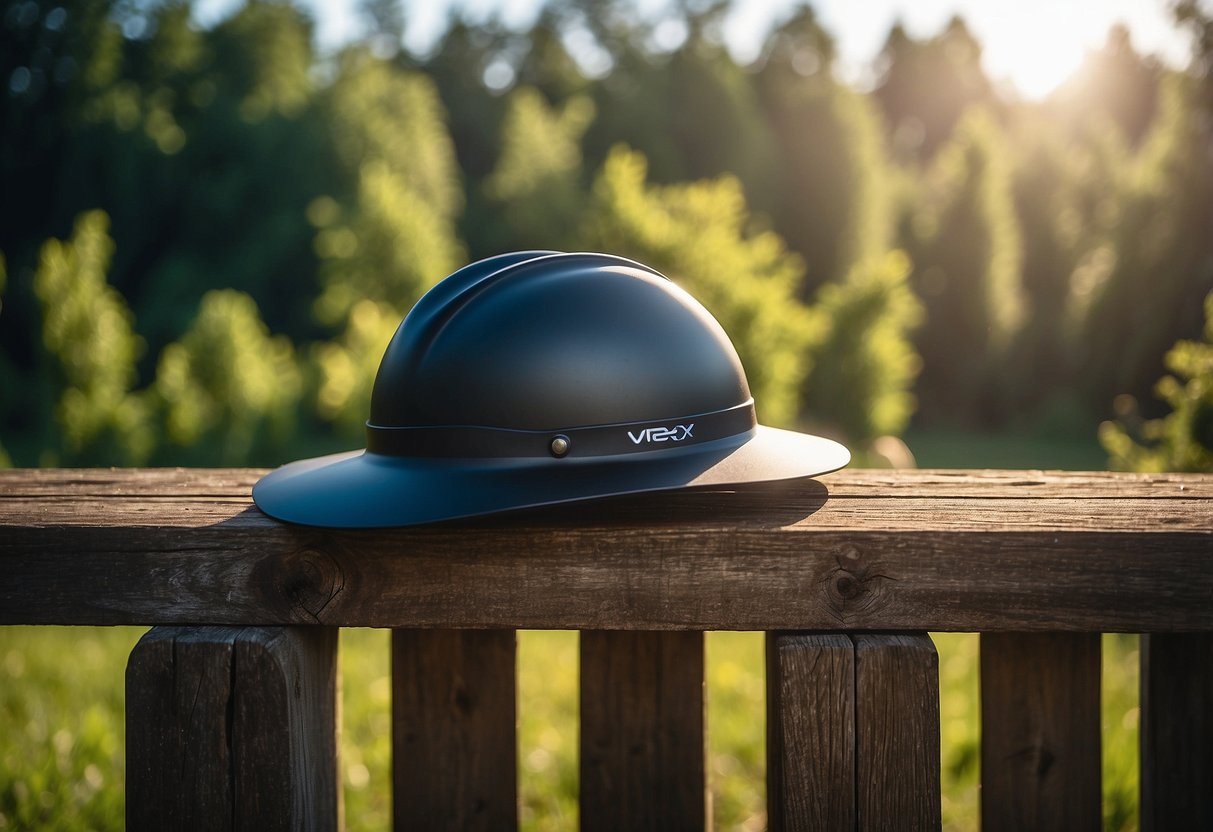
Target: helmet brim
<point>359,489</point>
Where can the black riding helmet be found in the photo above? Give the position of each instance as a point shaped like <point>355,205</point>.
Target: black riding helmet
<point>540,377</point>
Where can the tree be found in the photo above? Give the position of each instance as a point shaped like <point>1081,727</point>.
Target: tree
<point>692,112</point>
<point>832,199</point>
<point>927,85</point>
<point>456,68</point>
<point>1066,187</point>
<point>863,363</point>
<point>967,259</point>
<point>346,366</point>
<point>1115,84</point>
<point>228,388</point>
<point>1162,263</point>
<point>1183,439</point>
<point>537,187</point>
<point>393,237</point>
<point>88,329</point>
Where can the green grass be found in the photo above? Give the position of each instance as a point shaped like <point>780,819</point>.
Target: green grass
<point>939,448</point>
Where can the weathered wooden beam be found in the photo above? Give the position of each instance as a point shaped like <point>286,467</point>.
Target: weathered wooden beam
<point>232,728</point>
<point>972,551</point>
<point>852,731</point>
<point>810,732</point>
<point>642,731</point>
<point>454,747</point>
<point>1177,731</point>
<point>897,731</point>
<point>1040,741</point>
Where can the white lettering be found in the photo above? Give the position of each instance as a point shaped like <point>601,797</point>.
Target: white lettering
<point>675,434</point>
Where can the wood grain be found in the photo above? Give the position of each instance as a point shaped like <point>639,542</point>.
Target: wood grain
<point>897,731</point>
<point>1177,732</point>
<point>232,728</point>
<point>858,550</point>
<point>454,747</point>
<point>1040,741</point>
<point>642,732</point>
<point>811,766</point>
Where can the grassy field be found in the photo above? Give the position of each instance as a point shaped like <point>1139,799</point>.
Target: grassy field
<point>61,708</point>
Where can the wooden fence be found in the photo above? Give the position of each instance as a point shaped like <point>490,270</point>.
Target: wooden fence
<point>232,696</point>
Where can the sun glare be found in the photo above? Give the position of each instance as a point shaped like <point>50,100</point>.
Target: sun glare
<point>1035,54</point>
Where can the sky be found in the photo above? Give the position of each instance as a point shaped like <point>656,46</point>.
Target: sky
<point>1033,45</point>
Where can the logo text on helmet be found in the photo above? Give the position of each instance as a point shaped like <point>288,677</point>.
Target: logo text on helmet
<point>674,434</point>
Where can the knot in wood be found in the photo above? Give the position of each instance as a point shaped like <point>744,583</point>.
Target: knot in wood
<point>306,579</point>
<point>853,585</point>
<point>848,586</point>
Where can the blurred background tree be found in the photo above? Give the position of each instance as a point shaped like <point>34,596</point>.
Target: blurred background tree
<point>1183,439</point>
<point>966,247</point>
<point>87,329</point>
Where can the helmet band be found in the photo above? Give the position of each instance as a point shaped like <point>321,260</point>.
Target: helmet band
<point>471,441</point>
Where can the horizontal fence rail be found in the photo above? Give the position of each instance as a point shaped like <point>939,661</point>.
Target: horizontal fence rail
<point>232,696</point>
<point>859,550</point>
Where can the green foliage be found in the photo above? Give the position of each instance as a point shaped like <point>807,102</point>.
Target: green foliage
<point>696,235</point>
<point>275,74</point>
<point>396,237</point>
<point>1162,268</point>
<point>89,330</point>
<point>383,245</point>
<point>967,260</point>
<point>832,201</point>
<point>227,386</point>
<point>1183,439</point>
<point>693,112</point>
<point>864,365</point>
<point>537,181</point>
<point>1061,187</point>
<point>346,366</point>
<point>927,87</point>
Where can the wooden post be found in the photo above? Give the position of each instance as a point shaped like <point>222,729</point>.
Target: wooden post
<point>232,728</point>
<point>852,731</point>
<point>1177,731</point>
<point>810,731</point>
<point>897,731</point>
<point>642,737</point>
<point>1040,743</point>
<point>454,748</point>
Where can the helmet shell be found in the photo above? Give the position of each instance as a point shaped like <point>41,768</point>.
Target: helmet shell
<point>536,378</point>
<point>552,342</point>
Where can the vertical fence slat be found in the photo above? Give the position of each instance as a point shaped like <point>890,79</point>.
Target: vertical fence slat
<point>810,731</point>
<point>1040,743</point>
<point>232,728</point>
<point>454,746</point>
<point>1177,731</point>
<point>642,731</point>
<point>897,731</point>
